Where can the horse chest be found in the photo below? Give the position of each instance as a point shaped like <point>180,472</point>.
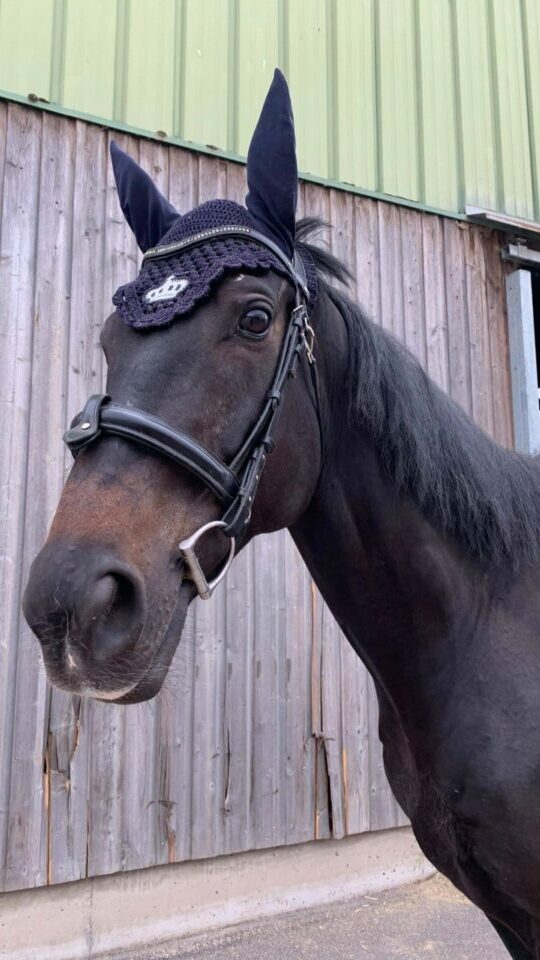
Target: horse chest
<point>472,795</point>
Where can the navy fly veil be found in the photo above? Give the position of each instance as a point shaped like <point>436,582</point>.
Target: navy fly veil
<point>170,286</point>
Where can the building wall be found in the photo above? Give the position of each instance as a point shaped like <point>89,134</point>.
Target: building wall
<point>266,731</point>
<point>436,102</point>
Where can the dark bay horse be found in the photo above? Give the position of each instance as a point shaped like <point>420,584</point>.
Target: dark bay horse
<point>422,535</point>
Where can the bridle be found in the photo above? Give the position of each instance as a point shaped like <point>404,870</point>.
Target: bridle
<point>234,484</point>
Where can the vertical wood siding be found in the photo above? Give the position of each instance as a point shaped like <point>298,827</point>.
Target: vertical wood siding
<point>266,730</point>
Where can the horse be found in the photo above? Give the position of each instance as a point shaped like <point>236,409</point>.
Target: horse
<point>246,393</point>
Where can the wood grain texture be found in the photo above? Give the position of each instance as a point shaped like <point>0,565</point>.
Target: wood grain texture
<point>265,732</point>
<point>22,788</point>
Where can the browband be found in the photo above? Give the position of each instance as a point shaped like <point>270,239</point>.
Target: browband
<point>294,267</point>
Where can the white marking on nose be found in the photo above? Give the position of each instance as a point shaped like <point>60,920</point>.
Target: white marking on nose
<point>71,661</point>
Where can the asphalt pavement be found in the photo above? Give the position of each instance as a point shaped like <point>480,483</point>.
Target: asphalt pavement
<point>424,920</point>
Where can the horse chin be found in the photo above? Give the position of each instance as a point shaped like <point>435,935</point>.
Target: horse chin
<point>151,683</point>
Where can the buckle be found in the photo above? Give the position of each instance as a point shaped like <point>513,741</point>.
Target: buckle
<point>307,333</point>
<point>308,339</point>
<point>85,427</point>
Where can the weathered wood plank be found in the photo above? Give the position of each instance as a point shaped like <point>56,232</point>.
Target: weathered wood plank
<point>342,235</point>
<point>331,693</point>
<point>435,309</point>
<point>412,259</point>
<point>269,694</point>
<point>316,203</point>
<point>23,838</point>
<point>366,259</point>
<point>355,741</point>
<point>501,387</point>
<point>322,794</point>
<point>300,744</point>
<point>459,383</point>
<point>390,270</point>
<point>66,848</point>
<point>236,182</point>
<point>3,140</point>
<point>238,825</point>
<point>208,739</point>
<point>478,336</point>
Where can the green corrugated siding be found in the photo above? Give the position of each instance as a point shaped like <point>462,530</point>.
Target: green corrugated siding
<point>434,101</point>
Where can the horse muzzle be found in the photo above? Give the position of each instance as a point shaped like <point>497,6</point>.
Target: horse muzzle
<point>88,609</point>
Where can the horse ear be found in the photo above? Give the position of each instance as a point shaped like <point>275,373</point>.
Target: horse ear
<point>272,173</point>
<point>146,210</point>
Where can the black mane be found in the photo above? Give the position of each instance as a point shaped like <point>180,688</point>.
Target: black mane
<point>475,490</point>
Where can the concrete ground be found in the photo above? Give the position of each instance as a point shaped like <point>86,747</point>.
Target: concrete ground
<point>429,919</point>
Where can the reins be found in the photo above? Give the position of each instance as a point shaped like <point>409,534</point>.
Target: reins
<point>234,484</point>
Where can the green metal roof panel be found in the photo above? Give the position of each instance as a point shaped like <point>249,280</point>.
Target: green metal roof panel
<point>439,158</point>
<point>255,33</point>
<point>476,103</point>
<point>83,58</point>
<point>511,126</point>
<point>400,146</point>
<point>433,101</point>
<point>206,73</point>
<point>27,44</point>
<point>308,48</point>
<point>531,47</point>
<point>355,117</point>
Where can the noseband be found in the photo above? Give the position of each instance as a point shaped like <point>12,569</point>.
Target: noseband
<point>234,484</point>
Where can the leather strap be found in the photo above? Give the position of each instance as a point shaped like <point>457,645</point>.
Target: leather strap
<point>101,416</point>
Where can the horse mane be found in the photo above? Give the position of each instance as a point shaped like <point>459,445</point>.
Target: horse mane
<point>485,496</point>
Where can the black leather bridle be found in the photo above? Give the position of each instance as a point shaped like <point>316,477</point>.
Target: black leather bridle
<point>234,484</point>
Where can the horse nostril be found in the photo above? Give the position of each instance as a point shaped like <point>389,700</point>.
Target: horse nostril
<point>114,615</point>
<point>103,597</point>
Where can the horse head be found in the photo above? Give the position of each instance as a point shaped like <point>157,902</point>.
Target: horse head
<point>207,435</point>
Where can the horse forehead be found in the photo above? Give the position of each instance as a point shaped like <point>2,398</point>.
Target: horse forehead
<point>136,356</point>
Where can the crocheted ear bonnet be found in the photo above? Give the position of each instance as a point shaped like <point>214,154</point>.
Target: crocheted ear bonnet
<point>171,286</point>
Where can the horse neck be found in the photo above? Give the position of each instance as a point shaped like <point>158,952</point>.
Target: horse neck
<point>392,581</point>
<point>395,583</point>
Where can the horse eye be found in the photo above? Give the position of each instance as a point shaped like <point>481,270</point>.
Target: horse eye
<point>255,323</point>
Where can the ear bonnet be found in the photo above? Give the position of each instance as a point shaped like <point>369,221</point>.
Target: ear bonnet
<point>171,284</point>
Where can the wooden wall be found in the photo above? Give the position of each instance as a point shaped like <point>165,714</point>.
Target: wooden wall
<point>266,730</point>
